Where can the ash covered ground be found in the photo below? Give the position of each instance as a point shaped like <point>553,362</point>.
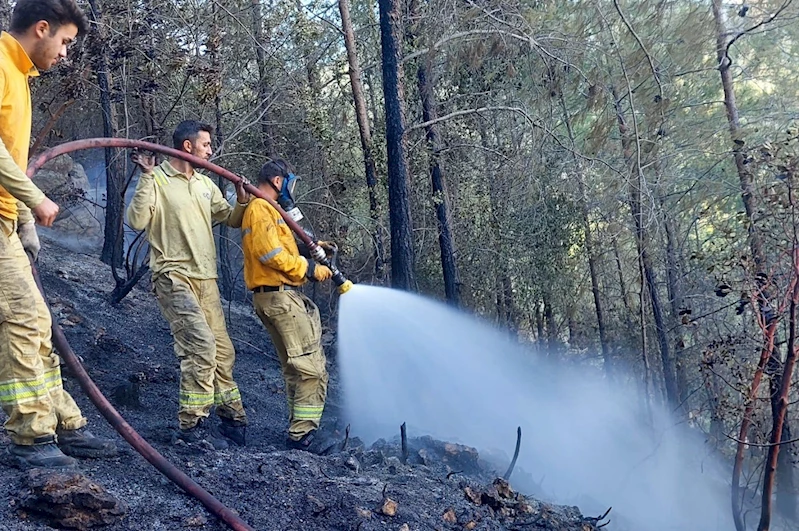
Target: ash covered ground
<point>441,486</point>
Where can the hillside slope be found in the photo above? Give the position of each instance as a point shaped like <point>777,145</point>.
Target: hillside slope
<point>442,486</point>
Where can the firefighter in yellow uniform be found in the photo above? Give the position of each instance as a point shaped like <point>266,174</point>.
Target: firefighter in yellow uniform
<point>273,270</point>
<point>44,423</point>
<point>177,205</point>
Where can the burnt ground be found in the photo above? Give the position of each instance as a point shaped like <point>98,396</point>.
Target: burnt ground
<point>441,486</point>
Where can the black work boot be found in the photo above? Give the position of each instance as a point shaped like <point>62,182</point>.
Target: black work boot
<point>41,455</point>
<point>315,442</point>
<point>236,431</point>
<point>199,436</point>
<point>83,443</point>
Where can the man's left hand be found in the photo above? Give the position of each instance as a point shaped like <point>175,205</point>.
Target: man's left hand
<point>30,239</point>
<point>330,248</point>
<point>242,196</point>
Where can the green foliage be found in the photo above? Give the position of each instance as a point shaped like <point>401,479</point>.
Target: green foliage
<point>533,155</point>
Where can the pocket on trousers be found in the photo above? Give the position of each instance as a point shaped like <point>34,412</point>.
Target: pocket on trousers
<point>306,333</point>
<point>5,312</point>
<point>274,305</point>
<point>309,366</point>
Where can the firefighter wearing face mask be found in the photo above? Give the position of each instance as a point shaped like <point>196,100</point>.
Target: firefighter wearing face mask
<point>177,205</point>
<point>274,269</point>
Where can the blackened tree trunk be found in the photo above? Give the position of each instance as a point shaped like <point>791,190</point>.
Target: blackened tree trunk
<point>365,131</point>
<point>440,199</point>
<point>642,240</point>
<point>402,253</point>
<point>115,202</point>
<point>264,97</point>
<point>214,44</point>
<point>553,344</point>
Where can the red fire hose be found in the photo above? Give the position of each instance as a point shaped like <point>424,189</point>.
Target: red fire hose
<point>89,387</point>
<point>38,161</point>
<point>127,432</point>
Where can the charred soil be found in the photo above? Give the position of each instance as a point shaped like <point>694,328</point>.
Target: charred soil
<point>127,350</point>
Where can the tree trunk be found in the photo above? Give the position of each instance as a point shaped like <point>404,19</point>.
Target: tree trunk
<point>756,248</point>
<point>642,241</point>
<point>674,281</point>
<point>5,14</point>
<point>267,135</point>
<point>364,129</point>
<point>589,245</point>
<point>628,308</point>
<point>539,324</point>
<point>402,252</point>
<point>782,473</point>
<point>115,202</point>
<point>552,332</point>
<point>736,135</point>
<point>425,78</point>
<point>225,269</point>
<point>440,198</point>
<point>786,497</point>
<point>716,412</point>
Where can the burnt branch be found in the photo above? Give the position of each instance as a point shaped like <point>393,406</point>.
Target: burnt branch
<point>506,477</point>
<point>346,438</point>
<point>404,441</point>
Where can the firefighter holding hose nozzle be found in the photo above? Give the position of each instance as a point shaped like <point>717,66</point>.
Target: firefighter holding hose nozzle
<point>274,270</point>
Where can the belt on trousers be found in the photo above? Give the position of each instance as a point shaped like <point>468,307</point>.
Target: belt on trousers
<point>283,287</point>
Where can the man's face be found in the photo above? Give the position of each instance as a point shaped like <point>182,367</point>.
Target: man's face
<point>201,147</point>
<point>51,46</point>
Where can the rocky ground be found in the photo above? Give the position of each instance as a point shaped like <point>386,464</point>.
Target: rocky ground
<point>439,485</point>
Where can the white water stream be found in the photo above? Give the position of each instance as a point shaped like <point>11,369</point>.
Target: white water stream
<point>405,358</point>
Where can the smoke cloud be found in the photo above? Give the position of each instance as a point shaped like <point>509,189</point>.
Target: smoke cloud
<point>409,359</point>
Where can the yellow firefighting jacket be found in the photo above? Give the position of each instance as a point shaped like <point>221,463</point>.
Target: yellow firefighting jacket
<point>177,211</point>
<point>16,190</point>
<point>271,257</point>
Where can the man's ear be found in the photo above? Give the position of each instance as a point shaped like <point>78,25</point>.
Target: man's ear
<point>187,146</point>
<point>41,28</point>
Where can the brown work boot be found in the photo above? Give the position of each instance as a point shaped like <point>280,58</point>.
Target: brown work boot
<point>233,430</point>
<point>43,455</point>
<point>315,442</point>
<point>83,443</point>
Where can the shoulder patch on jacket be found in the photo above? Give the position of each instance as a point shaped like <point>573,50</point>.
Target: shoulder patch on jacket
<point>160,177</point>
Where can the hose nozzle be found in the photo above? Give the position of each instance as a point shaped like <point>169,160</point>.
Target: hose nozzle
<point>344,284</point>
<point>319,254</point>
<point>345,287</point>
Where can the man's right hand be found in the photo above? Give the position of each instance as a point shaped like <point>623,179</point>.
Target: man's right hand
<point>322,272</point>
<point>45,213</point>
<point>145,162</point>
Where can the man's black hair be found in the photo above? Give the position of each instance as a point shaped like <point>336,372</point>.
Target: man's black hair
<point>274,168</point>
<point>189,130</point>
<point>56,12</point>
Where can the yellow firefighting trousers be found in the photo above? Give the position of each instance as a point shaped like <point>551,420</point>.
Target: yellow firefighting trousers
<point>193,310</point>
<point>293,322</point>
<point>31,392</point>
